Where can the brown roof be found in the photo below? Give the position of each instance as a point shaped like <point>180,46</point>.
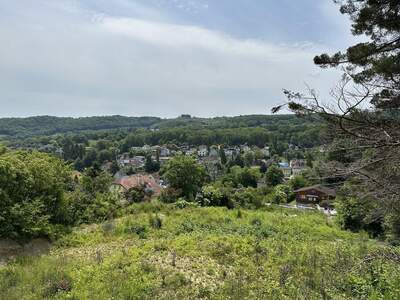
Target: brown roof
<point>318,187</point>
<point>136,180</point>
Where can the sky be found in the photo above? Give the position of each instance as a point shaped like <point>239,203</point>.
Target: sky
<point>163,57</point>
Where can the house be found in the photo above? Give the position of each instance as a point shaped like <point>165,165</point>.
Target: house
<point>164,152</point>
<point>59,152</point>
<point>265,151</point>
<point>134,162</point>
<point>126,183</point>
<point>47,148</point>
<point>298,166</point>
<point>146,148</point>
<point>191,152</point>
<point>214,152</point>
<point>286,169</point>
<point>230,153</point>
<point>202,151</point>
<point>245,148</point>
<point>315,195</point>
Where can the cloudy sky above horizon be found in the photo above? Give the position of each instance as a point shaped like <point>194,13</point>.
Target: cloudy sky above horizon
<point>163,57</point>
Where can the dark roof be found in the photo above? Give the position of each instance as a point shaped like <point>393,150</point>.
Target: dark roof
<point>318,187</point>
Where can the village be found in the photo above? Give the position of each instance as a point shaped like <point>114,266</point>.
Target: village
<point>134,170</point>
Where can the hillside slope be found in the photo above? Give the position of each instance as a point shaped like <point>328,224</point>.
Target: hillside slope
<point>48,125</point>
<point>161,252</point>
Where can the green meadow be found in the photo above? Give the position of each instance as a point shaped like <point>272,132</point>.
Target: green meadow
<point>160,251</point>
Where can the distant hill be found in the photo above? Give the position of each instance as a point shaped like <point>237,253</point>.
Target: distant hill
<point>48,125</point>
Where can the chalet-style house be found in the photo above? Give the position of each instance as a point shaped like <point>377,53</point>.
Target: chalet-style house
<point>126,183</point>
<point>316,194</point>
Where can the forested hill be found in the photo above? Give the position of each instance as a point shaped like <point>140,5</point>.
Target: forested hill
<point>48,125</point>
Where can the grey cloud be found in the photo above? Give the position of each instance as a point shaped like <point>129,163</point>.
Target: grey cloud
<point>67,60</point>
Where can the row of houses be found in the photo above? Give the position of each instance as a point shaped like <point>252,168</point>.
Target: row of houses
<point>199,151</point>
<point>208,155</point>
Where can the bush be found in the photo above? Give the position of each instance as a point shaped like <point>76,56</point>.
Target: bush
<point>356,215</point>
<point>170,195</point>
<point>32,193</point>
<point>248,198</point>
<point>56,282</point>
<point>87,208</point>
<point>155,221</point>
<point>182,203</point>
<point>216,195</point>
<point>282,194</point>
<point>297,182</point>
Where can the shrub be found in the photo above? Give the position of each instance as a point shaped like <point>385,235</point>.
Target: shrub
<point>155,221</point>
<point>248,198</point>
<point>170,195</point>
<point>282,194</point>
<point>138,229</point>
<point>182,203</point>
<point>216,195</point>
<point>32,193</point>
<point>355,214</point>
<point>56,282</point>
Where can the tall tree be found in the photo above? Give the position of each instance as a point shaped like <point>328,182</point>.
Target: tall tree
<point>365,117</point>
<point>184,173</point>
<point>274,175</point>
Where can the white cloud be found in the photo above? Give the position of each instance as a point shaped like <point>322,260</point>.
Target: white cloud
<point>105,65</point>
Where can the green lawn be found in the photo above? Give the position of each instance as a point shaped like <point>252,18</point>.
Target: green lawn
<point>208,253</point>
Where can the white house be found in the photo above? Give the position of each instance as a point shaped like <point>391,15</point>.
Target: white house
<point>202,151</point>
<point>265,151</point>
<point>164,152</point>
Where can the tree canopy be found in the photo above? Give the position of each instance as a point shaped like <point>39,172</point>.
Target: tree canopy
<point>183,173</point>
<point>32,187</point>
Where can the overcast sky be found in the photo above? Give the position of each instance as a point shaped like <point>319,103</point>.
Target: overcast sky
<point>162,57</point>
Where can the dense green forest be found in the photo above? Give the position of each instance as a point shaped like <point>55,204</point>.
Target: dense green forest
<point>12,128</point>
<point>47,125</point>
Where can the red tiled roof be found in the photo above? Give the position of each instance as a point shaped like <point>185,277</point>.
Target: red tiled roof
<point>136,180</point>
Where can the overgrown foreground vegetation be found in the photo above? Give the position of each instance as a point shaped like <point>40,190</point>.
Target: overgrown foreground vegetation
<point>164,252</point>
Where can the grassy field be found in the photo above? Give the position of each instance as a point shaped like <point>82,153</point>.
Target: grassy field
<point>161,252</point>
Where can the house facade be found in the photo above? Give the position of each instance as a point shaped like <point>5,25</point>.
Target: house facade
<point>316,194</point>
<point>202,151</point>
<point>286,169</point>
<point>298,166</point>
